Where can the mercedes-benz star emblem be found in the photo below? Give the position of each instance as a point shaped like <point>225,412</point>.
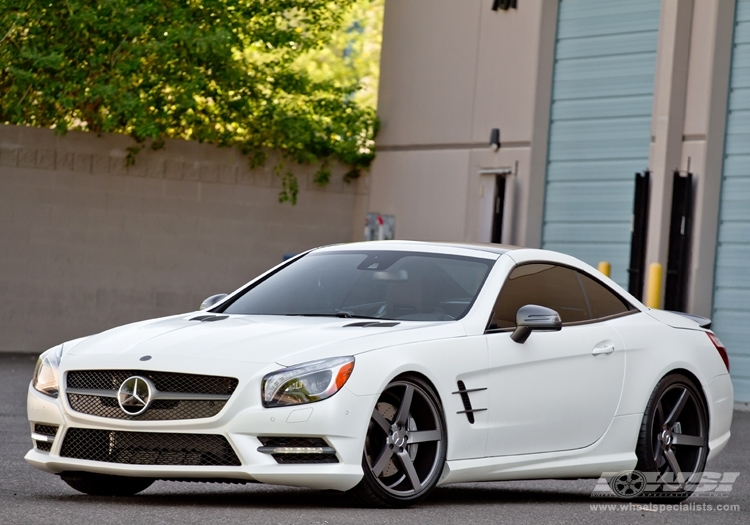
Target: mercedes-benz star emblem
<point>134,395</point>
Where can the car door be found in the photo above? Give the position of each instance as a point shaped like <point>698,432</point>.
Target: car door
<point>558,390</point>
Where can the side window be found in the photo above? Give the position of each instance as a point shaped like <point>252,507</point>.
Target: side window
<point>602,301</point>
<point>555,287</point>
<point>574,295</point>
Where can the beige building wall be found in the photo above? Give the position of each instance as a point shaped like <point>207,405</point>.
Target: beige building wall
<point>450,72</point>
<point>87,243</point>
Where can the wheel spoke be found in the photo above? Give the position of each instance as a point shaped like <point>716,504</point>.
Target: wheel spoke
<point>403,410</point>
<point>385,456</point>
<point>675,466</point>
<point>422,436</point>
<point>659,415</point>
<point>677,410</point>
<point>411,473</point>
<point>691,441</point>
<point>381,421</point>
<point>658,423</point>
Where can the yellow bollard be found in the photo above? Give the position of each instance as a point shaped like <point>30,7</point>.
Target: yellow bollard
<point>653,294</point>
<point>605,268</point>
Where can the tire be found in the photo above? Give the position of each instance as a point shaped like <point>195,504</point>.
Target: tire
<point>405,447</point>
<point>672,444</point>
<point>103,485</point>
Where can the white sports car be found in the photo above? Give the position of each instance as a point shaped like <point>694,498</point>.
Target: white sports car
<point>385,369</point>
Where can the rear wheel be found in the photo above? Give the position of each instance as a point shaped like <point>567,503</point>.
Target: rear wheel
<point>673,442</point>
<point>405,446</point>
<point>103,485</point>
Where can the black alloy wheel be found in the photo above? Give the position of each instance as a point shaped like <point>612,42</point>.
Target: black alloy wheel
<point>405,447</point>
<point>673,442</point>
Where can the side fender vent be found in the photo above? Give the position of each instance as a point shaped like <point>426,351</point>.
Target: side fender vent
<point>464,393</point>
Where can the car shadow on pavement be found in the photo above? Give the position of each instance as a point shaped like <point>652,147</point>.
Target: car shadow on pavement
<point>274,497</point>
<point>497,493</point>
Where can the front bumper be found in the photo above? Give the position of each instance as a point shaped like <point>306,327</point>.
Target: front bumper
<point>340,420</point>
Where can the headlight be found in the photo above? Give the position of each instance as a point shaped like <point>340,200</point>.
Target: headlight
<point>45,373</point>
<point>306,383</point>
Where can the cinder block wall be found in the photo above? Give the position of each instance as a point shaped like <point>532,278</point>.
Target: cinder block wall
<point>87,243</point>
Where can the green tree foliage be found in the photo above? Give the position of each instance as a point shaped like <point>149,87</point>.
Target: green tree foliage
<point>353,52</point>
<point>219,71</point>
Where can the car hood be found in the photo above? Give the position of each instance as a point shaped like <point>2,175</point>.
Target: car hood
<point>253,338</point>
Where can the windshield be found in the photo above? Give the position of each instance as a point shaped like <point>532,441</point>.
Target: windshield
<point>369,284</point>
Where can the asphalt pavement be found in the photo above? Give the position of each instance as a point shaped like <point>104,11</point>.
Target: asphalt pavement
<point>28,496</point>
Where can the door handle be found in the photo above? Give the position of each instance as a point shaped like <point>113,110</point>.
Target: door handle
<point>603,348</point>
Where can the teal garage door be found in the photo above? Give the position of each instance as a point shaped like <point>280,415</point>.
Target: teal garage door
<point>600,129</point>
<point>731,313</point>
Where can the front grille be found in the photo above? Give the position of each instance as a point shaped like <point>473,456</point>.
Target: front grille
<point>160,409</point>
<point>148,448</point>
<point>292,442</point>
<point>163,381</point>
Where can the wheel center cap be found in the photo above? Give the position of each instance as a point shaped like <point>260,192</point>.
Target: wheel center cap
<point>666,437</point>
<point>397,437</point>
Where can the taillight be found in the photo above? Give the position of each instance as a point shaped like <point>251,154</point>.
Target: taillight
<point>720,348</point>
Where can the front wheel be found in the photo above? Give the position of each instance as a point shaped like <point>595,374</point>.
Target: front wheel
<point>405,446</point>
<point>673,442</point>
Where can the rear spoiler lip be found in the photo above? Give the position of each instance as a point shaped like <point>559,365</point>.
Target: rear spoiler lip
<point>703,322</point>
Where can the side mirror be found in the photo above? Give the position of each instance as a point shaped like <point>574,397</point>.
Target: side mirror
<point>534,317</point>
<point>208,303</point>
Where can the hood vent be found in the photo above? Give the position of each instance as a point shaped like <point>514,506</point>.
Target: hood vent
<point>209,318</point>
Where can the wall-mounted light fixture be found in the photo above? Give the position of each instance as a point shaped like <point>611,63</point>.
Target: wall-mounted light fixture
<point>495,139</point>
<point>504,4</point>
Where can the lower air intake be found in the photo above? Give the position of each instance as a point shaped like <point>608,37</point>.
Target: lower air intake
<point>303,445</point>
<point>43,446</point>
<point>47,430</point>
<point>148,448</point>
